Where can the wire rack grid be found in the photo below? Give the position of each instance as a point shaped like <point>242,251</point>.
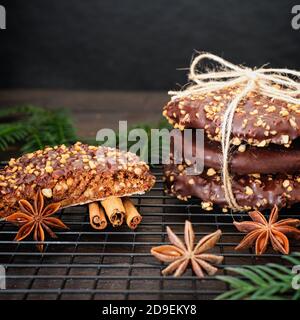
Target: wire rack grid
<point>116,263</point>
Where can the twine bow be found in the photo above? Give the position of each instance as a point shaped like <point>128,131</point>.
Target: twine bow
<point>273,83</point>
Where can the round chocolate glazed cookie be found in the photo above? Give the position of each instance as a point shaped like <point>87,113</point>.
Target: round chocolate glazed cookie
<point>258,120</point>
<point>244,159</point>
<point>253,191</point>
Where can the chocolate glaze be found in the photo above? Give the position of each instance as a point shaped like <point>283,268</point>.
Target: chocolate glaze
<point>268,190</point>
<point>205,112</point>
<point>273,159</point>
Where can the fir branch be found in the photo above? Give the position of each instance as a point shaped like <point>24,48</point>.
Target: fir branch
<point>10,134</point>
<point>262,282</point>
<point>35,128</point>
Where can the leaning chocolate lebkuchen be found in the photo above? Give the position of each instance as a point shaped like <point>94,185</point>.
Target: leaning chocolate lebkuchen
<point>265,149</point>
<point>73,175</point>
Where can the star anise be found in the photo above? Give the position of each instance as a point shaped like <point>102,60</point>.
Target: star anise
<point>180,255</point>
<point>262,232</point>
<point>35,218</point>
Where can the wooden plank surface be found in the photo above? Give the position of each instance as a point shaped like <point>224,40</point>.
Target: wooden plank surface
<point>93,110</point>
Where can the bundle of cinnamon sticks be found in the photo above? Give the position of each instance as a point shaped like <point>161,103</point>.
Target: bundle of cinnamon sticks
<point>115,210</point>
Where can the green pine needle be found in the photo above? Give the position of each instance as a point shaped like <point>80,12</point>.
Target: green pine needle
<point>35,128</point>
<point>262,282</point>
<point>11,134</point>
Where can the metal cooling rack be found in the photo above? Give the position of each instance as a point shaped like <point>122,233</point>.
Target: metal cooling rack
<point>116,264</point>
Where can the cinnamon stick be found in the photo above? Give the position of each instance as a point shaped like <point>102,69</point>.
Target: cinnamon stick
<point>132,216</point>
<point>97,216</point>
<point>115,210</point>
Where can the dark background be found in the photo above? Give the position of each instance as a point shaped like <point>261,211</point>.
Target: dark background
<point>137,44</point>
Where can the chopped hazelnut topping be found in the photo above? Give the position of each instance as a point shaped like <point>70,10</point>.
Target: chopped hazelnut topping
<point>191,181</point>
<point>293,122</point>
<point>244,124</point>
<point>242,148</point>
<point>92,165</point>
<point>254,112</point>
<point>285,139</point>
<point>47,193</point>
<point>236,141</point>
<point>283,112</point>
<point>208,206</point>
<point>12,162</point>
<point>211,172</point>
<point>180,167</point>
<point>262,143</point>
<point>286,183</point>
<point>248,191</point>
<point>138,171</point>
<point>271,109</point>
<point>49,169</point>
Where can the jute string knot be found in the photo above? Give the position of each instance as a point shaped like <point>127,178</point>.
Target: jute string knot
<point>281,84</point>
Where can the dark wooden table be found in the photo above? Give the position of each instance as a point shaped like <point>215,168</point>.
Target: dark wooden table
<point>93,110</point>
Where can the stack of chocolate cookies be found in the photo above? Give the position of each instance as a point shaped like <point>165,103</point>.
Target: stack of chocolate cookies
<point>264,159</point>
